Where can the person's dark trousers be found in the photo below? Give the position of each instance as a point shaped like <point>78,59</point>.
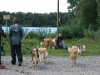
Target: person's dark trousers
<point>57,45</point>
<point>0,55</point>
<point>16,49</point>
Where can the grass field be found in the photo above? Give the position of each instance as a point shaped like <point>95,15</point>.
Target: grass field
<point>92,47</point>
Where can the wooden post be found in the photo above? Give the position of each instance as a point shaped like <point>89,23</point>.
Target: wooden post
<point>58,17</point>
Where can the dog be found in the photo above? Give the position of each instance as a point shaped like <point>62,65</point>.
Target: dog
<point>48,42</point>
<point>81,48</point>
<point>43,54</point>
<point>35,58</point>
<point>38,54</point>
<point>73,54</point>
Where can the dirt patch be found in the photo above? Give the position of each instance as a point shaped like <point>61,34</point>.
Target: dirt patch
<point>88,65</point>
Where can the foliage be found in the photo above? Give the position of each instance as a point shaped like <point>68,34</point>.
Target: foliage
<point>97,35</point>
<point>38,35</point>
<point>89,33</point>
<point>30,35</point>
<point>66,32</point>
<point>77,31</point>
<point>85,11</point>
<point>35,19</point>
<point>74,31</point>
<point>51,35</point>
<point>89,14</point>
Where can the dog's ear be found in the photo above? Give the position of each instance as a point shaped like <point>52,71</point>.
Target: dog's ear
<point>37,52</point>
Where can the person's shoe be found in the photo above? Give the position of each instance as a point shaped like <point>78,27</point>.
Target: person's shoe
<point>2,67</point>
<point>13,63</point>
<point>20,63</point>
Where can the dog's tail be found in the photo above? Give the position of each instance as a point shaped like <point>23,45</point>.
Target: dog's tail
<point>69,49</point>
<point>84,48</point>
<point>42,43</point>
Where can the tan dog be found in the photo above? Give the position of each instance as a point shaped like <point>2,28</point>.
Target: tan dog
<point>49,42</point>
<point>35,58</point>
<point>43,54</point>
<point>73,54</point>
<point>81,48</point>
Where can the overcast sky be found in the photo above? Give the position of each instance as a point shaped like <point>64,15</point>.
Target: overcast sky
<point>37,6</point>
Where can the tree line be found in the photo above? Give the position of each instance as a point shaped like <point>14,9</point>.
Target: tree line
<point>35,19</point>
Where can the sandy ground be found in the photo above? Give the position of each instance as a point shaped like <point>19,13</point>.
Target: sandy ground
<point>88,65</point>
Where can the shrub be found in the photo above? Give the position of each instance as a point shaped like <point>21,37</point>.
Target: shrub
<point>97,35</point>
<point>66,32</point>
<point>30,34</point>
<point>89,33</point>
<point>77,31</point>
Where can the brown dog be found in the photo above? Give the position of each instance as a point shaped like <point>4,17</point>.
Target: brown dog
<point>35,58</point>
<point>38,54</point>
<point>48,42</point>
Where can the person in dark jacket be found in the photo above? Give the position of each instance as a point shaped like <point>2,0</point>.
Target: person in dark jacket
<point>4,35</point>
<point>15,35</point>
<point>59,42</point>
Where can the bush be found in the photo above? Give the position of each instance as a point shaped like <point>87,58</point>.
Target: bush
<point>51,35</point>
<point>77,31</point>
<point>74,31</point>
<point>66,32</point>
<point>31,34</point>
<point>97,35</point>
<point>89,33</point>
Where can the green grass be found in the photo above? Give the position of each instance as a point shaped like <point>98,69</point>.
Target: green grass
<point>92,47</point>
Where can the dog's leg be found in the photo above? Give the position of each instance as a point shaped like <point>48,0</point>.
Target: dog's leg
<point>73,62</point>
<point>40,59</point>
<point>43,58</point>
<point>46,55</point>
<point>53,47</point>
<point>36,65</point>
<point>31,63</point>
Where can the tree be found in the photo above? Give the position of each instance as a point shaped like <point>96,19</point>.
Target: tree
<point>89,14</point>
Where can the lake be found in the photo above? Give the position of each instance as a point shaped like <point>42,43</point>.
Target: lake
<point>35,29</point>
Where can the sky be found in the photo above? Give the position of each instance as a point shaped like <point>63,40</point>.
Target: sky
<point>34,6</point>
